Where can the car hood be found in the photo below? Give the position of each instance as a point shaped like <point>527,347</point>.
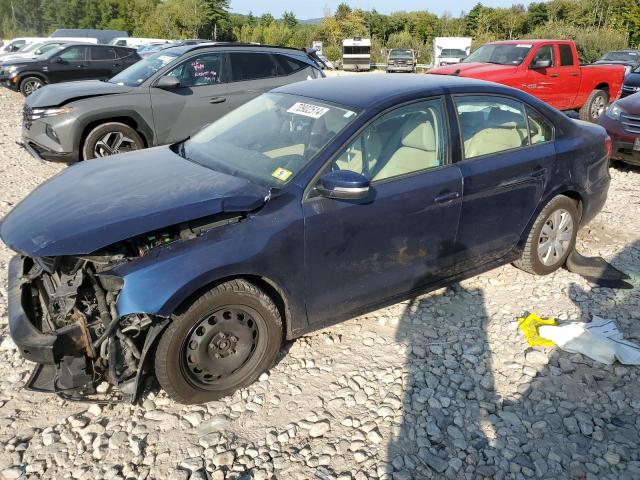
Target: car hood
<point>17,61</point>
<point>100,202</point>
<point>630,104</point>
<point>474,69</point>
<point>58,94</point>
<point>632,80</point>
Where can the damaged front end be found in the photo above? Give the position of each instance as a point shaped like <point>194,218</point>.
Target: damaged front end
<point>63,316</point>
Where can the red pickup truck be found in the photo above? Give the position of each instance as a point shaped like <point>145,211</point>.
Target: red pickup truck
<point>547,69</point>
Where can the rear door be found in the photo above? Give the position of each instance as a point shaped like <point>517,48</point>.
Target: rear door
<point>201,98</point>
<point>569,74</point>
<point>69,65</point>
<point>252,74</point>
<point>508,159</point>
<point>542,82</point>
<point>102,61</point>
<point>126,58</point>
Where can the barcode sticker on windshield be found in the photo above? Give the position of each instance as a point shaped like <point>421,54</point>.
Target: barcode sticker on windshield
<point>523,45</point>
<point>308,110</point>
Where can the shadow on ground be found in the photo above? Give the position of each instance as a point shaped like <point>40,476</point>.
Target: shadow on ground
<point>473,412</point>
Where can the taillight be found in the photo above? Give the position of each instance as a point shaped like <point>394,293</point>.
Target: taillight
<point>608,146</point>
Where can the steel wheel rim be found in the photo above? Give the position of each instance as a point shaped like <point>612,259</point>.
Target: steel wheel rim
<point>555,237</point>
<point>113,143</point>
<point>222,346</point>
<point>31,86</point>
<point>597,107</point>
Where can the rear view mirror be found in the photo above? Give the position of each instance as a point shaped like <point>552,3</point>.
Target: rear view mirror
<point>540,64</point>
<point>343,185</point>
<point>167,82</point>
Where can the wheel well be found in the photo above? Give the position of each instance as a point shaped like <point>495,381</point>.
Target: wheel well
<point>575,196</point>
<point>603,86</point>
<point>36,75</point>
<point>126,120</point>
<point>274,292</point>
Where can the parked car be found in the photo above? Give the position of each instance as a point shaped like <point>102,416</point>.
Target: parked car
<point>103,36</point>
<point>547,69</point>
<point>622,122</point>
<point>631,83</point>
<point>66,63</point>
<point>17,43</point>
<point>148,50</point>
<point>308,205</point>
<point>135,42</point>
<point>32,50</point>
<point>401,60</point>
<point>162,99</point>
<point>629,59</point>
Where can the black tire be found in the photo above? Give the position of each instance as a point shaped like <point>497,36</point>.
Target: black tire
<point>28,85</point>
<point>104,138</point>
<point>178,373</point>
<point>531,260</point>
<point>594,106</point>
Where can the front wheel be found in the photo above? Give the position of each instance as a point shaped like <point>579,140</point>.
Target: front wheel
<point>29,85</point>
<point>222,342</point>
<point>110,139</point>
<point>552,237</point>
<point>594,106</point>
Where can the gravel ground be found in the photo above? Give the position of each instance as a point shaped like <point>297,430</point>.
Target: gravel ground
<point>441,386</point>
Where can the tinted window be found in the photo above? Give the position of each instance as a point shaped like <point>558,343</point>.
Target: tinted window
<point>491,124</point>
<point>250,66</point>
<point>406,140</point>
<point>540,129</point>
<point>288,65</point>
<point>124,52</point>
<point>198,71</point>
<point>100,53</point>
<point>566,55</point>
<point>545,53</point>
<point>73,54</point>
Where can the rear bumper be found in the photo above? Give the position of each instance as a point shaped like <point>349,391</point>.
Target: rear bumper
<point>35,343</point>
<point>597,197</point>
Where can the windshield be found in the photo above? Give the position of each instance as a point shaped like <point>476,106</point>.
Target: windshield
<point>453,53</point>
<point>143,69</point>
<point>268,140</point>
<point>510,54</point>
<point>30,47</point>
<point>45,48</point>
<point>622,57</point>
<point>401,54</point>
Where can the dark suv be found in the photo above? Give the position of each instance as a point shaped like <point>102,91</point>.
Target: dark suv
<point>162,99</point>
<point>69,62</point>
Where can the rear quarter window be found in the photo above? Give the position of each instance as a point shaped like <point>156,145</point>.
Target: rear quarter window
<point>287,65</point>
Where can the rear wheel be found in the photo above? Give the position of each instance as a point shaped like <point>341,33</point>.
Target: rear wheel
<point>28,85</point>
<point>222,342</point>
<point>110,139</point>
<point>594,106</point>
<point>552,237</point>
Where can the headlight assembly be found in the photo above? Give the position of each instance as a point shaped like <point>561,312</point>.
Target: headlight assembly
<point>37,113</point>
<point>614,111</point>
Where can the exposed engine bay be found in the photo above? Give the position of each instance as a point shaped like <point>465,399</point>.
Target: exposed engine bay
<point>74,300</point>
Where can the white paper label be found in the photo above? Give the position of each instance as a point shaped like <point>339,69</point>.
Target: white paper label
<point>523,45</point>
<point>308,110</point>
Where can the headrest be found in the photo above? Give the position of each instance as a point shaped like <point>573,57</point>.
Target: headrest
<point>502,118</point>
<point>419,134</point>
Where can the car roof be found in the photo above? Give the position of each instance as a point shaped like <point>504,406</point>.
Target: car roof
<point>182,49</point>
<point>366,90</point>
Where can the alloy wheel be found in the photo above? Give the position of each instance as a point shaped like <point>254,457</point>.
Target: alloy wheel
<point>597,107</point>
<point>555,237</point>
<point>31,86</point>
<point>113,143</point>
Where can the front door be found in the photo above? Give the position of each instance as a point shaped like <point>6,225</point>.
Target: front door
<point>69,65</point>
<point>509,157</point>
<point>200,99</point>
<point>362,253</point>
<point>542,82</point>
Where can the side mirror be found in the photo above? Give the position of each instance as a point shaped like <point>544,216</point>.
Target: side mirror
<point>343,185</point>
<point>540,64</point>
<point>58,60</point>
<point>167,82</point>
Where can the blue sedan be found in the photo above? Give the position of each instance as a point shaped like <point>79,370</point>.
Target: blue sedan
<point>309,205</point>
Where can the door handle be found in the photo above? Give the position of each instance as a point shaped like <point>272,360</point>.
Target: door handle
<point>575,74</point>
<point>538,172</point>
<point>553,75</point>
<point>446,197</point>
<point>215,100</point>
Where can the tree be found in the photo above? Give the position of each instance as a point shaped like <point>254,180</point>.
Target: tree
<point>289,19</point>
<point>342,12</point>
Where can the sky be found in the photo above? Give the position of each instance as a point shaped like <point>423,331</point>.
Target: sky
<point>307,9</point>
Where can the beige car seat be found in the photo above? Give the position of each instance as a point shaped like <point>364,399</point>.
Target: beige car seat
<point>351,158</point>
<point>506,130</point>
<point>418,149</point>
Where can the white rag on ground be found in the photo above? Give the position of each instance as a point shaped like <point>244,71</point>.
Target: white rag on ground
<point>599,340</point>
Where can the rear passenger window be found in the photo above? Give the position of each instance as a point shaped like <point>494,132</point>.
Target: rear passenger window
<point>100,53</point>
<point>491,125</point>
<point>406,140</point>
<point>288,65</point>
<point>540,129</point>
<point>251,66</point>
<point>566,55</point>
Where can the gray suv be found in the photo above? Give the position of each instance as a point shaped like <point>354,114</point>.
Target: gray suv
<point>162,99</point>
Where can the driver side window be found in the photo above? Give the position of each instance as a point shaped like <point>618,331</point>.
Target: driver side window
<point>73,54</point>
<point>199,71</point>
<point>406,140</point>
<point>544,53</point>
